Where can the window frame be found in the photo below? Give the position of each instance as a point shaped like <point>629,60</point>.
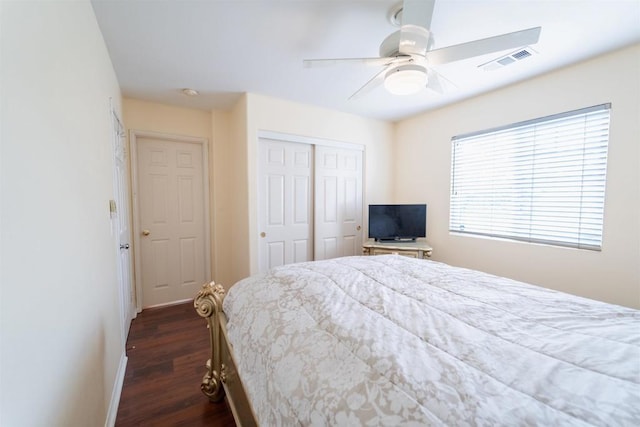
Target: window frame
<point>522,184</point>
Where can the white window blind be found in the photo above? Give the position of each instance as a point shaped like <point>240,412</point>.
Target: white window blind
<point>540,181</point>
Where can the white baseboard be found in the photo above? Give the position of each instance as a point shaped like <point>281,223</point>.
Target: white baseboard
<point>167,304</point>
<point>117,391</point>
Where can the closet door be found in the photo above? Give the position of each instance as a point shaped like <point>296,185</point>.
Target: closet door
<point>285,200</point>
<point>338,202</point>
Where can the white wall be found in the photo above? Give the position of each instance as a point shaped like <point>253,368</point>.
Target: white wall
<point>256,113</point>
<point>171,120</point>
<point>237,187</point>
<point>221,196</point>
<point>60,327</point>
<point>233,137</point>
<point>168,119</point>
<point>424,157</point>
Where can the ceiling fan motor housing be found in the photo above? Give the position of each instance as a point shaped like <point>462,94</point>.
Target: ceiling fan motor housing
<point>391,46</point>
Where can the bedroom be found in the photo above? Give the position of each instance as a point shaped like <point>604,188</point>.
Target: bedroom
<point>60,200</point>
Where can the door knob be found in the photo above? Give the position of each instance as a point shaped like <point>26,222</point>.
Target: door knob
<point>125,246</point>
<point>263,234</point>
<point>358,228</point>
<point>145,232</point>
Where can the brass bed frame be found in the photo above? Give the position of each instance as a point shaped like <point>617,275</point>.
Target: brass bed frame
<point>221,378</point>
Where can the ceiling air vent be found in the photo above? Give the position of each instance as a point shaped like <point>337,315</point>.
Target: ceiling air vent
<point>522,54</point>
<point>503,61</point>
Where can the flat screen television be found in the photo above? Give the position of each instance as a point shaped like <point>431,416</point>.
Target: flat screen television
<point>397,222</point>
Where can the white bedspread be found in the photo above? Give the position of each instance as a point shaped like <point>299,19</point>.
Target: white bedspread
<point>388,340</point>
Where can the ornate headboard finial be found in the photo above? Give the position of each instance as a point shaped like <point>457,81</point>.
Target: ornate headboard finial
<point>208,304</point>
<point>209,299</point>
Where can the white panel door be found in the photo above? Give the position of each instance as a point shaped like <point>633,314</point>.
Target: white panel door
<point>338,202</point>
<point>171,220</point>
<point>284,203</point>
<point>121,220</point>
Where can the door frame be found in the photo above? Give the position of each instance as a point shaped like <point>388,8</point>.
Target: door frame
<point>137,231</point>
<point>289,137</point>
<point>254,240</point>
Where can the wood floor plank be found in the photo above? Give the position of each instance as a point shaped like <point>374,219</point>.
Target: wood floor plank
<point>167,349</point>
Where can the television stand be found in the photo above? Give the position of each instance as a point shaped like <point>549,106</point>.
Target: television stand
<point>414,248</point>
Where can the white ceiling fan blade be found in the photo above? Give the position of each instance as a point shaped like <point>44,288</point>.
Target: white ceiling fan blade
<point>438,83</point>
<point>484,46</point>
<point>418,12</point>
<point>373,83</point>
<point>309,63</point>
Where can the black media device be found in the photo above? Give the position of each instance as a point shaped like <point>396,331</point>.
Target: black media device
<point>397,222</point>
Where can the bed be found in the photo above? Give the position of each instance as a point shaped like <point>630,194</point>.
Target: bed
<point>390,340</point>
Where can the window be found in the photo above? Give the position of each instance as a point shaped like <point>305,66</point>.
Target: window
<point>539,181</point>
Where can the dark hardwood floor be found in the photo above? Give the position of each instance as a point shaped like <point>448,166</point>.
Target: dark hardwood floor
<point>167,349</point>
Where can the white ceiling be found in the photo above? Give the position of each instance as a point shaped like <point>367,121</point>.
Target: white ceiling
<point>224,48</point>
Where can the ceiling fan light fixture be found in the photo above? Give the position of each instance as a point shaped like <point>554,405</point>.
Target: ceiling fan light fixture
<point>405,80</point>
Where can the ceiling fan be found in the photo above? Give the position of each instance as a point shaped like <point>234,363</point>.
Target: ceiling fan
<point>407,58</point>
